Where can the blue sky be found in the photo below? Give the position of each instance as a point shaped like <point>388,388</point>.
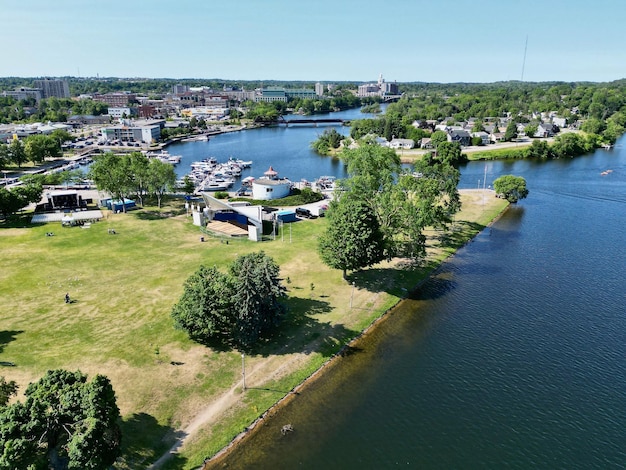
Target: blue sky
<point>406,40</point>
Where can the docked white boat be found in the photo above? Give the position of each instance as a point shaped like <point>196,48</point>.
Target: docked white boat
<point>165,157</point>
<point>212,185</point>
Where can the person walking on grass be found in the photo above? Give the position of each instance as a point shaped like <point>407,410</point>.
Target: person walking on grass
<point>67,298</point>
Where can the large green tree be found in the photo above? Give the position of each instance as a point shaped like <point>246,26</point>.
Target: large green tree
<point>539,149</point>
<point>17,153</point>
<point>7,390</point>
<point>40,147</point>
<point>14,199</point>
<point>511,131</point>
<point>65,422</point>
<point>4,155</point>
<point>330,139</point>
<point>353,239</point>
<point>510,187</point>
<point>449,153</point>
<point>234,308</point>
<point>112,173</point>
<point>438,137</point>
<point>138,165</point>
<point>257,294</point>
<point>205,309</point>
<point>404,202</point>
<point>161,177</point>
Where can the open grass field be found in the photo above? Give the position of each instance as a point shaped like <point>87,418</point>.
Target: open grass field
<point>118,324</point>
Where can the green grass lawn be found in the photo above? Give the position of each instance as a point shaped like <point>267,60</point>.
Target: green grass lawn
<point>123,287</point>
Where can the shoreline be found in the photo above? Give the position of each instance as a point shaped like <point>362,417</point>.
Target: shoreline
<point>218,458</point>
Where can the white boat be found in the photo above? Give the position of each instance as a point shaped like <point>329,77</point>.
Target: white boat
<point>247,181</point>
<point>326,182</point>
<point>239,162</point>
<point>165,157</point>
<point>212,185</point>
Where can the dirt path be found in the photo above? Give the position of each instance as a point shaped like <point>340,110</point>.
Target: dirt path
<point>267,368</point>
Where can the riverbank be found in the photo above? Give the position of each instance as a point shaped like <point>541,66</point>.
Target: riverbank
<point>482,211</point>
<point>411,156</point>
<point>436,257</point>
<point>167,386</point>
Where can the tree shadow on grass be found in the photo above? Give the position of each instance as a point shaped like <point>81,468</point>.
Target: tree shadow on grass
<point>144,441</point>
<point>156,215</point>
<point>412,272</point>
<point>7,336</point>
<point>301,332</point>
<point>453,239</point>
<point>18,221</point>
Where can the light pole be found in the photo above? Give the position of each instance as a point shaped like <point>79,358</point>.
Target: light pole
<point>243,370</point>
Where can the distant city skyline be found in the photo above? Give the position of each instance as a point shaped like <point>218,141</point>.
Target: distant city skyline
<point>329,41</point>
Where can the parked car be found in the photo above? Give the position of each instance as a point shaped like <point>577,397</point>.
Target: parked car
<point>305,213</point>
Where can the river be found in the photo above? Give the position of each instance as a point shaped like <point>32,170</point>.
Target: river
<point>511,356</point>
<point>286,149</point>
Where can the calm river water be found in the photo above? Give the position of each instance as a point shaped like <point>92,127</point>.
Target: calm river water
<point>286,149</point>
<point>512,356</point>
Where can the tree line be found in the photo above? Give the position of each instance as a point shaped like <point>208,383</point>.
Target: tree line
<point>48,109</point>
<point>34,148</point>
<point>133,174</point>
<point>383,209</point>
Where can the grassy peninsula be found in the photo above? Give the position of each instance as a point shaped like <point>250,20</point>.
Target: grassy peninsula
<point>124,285</point>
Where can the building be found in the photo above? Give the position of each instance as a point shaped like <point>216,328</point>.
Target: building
<point>271,94</point>
<point>229,219</point>
<point>461,136</point>
<point>240,95</point>
<point>180,89</point>
<point>136,131</point>
<point>24,93</point>
<point>53,88</point>
<point>405,144</point>
<point>270,186</point>
<point>88,119</point>
<point>485,139</point>
<point>205,112</point>
<point>319,89</point>
<point>303,93</point>
<point>122,112</point>
<point>116,100</point>
<point>381,88</point>
<point>216,101</point>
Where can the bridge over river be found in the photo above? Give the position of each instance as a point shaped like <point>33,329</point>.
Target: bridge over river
<point>313,122</point>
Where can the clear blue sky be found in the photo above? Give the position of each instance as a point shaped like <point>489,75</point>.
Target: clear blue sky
<point>326,40</point>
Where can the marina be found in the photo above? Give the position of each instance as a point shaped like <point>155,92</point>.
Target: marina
<point>210,175</point>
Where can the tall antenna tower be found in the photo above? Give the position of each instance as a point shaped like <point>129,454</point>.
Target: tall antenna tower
<point>524,61</point>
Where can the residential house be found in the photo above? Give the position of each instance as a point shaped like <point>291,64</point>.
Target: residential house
<point>461,136</point>
<point>402,144</point>
<point>545,130</point>
<point>426,143</point>
<point>496,136</point>
<point>484,137</point>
